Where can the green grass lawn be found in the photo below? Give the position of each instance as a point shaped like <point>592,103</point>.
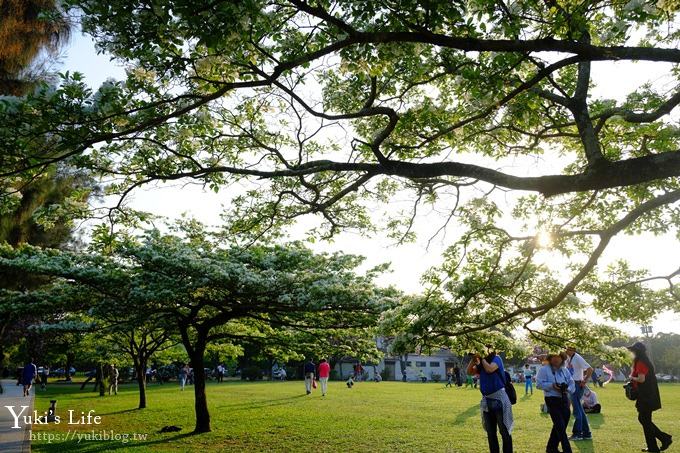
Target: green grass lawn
<point>387,416</point>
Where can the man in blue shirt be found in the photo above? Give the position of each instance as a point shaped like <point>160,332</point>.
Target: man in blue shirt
<point>495,406</point>
<point>309,375</point>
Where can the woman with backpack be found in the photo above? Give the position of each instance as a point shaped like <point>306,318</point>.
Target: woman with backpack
<point>645,391</point>
<point>496,406</point>
<point>557,384</point>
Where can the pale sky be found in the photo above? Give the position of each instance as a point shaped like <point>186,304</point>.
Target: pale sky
<point>658,254</point>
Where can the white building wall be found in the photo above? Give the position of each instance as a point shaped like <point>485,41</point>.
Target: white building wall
<point>430,364</point>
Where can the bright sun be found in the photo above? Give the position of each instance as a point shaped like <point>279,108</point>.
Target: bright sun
<point>544,239</point>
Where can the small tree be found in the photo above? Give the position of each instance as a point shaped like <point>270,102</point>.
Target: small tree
<point>254,295</point>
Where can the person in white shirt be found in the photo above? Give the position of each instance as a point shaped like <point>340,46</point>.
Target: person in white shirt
<point>590,403</point>
<point>581,372</point>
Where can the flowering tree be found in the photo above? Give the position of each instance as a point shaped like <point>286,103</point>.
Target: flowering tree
<point>279,297</point>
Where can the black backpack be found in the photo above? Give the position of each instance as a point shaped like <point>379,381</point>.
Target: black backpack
<point>509,388</point>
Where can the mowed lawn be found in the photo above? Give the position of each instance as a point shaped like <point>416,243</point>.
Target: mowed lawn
<point>373,417</point>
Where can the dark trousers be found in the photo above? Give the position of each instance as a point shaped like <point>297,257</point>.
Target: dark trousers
<point>652,432</point>
<point>558,408</point>
<point>493,419</point>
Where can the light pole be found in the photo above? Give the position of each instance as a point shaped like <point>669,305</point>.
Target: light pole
<point>647,331</point>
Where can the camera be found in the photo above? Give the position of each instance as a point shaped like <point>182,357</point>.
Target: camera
<point>564,388</point>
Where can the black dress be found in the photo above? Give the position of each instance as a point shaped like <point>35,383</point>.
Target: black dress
<point>648,401</point>
<point>648,392</point>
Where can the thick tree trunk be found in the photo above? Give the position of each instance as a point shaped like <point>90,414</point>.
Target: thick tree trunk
<point>200,399</point>
<point>402,364</point>
<point>2,354</point>
<point>103,381</point>
<point>70,357</point>
<point>140,371</point>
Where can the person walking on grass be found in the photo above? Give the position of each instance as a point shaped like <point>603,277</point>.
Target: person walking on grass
<point>495,407</point>
<point>183,375</point>
<point>114,374</point>
<point>557,385</point>
<point>324,374</point>
<point>309,376</point>
<point>456,376</point>
<point>581,372</point>
<point>528,380</point>
<point>358,372</point>
<point>449,378</point>
<point>43,377</point>
<point>28,374</point>
<point>648,399</point>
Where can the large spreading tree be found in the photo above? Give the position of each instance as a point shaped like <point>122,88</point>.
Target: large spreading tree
<point>338,106</point>
<point>281,298</point>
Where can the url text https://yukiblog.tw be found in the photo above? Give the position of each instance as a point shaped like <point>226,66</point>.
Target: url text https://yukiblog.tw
<point>103,435</point>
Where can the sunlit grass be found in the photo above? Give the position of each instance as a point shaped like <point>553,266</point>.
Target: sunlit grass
<point>387,416</point>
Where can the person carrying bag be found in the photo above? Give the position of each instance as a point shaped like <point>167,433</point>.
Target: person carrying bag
<point>644,390</point>
<point>558,386</point>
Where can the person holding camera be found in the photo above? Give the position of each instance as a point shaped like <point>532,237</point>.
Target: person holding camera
<point>648,399</point>
<point>557,384</point>
<point>496,409</point>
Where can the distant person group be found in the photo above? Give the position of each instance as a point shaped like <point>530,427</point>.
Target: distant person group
<point>30,374</point>
<point>453,376</point>
<point>323,372</point>
<point>562,378</point>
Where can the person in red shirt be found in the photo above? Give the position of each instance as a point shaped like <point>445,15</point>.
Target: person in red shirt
<point>358,372</point>
<point>324,373</point>
<point>648,400</point>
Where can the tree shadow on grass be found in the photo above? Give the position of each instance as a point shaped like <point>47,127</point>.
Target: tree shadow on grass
<point>584,446</point>
<point>527,397</point>
<point>467,413</point>
<point>595,420</point>
<point>257,405</point>
<point>122,411</point>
